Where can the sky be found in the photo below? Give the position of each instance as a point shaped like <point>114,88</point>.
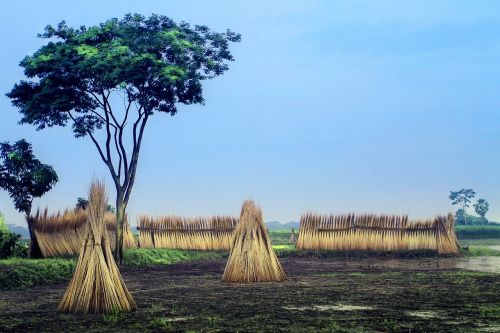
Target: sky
<point>329,106</point>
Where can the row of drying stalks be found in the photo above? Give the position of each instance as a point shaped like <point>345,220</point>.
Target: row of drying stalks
<point>60,234</point>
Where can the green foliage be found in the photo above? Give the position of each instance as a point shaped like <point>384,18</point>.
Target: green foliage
<point>477,231</point>
<point>82,203</point>
<point>150,257</point>
<point>11,244</point>
<point>481,207</point>
<point>462,219</point>
<point>21,273</point>
<point>462,198</point>
<point>480,251</point>
<point>153,61</point>
<point>23,176</point>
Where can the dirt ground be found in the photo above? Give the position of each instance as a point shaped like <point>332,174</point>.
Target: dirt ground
<point>320,295</point>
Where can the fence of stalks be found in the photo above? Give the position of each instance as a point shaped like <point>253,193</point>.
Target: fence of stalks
<point>368,232</point>
<point>62,233</point>
<point>174,232</point>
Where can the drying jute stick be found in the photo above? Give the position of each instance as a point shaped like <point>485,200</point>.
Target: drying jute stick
<point>376,233</point>
<point>97,285</point>
<point>252,258</point>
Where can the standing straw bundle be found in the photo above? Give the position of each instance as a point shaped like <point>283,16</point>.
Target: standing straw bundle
<point>97,285</point>
<point>252,258</point>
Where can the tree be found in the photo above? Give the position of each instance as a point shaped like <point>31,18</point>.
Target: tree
<point>459,216</point>
<point>462,198</point>
<point>103,78</point>
<point>24,177</point>
<point>481,207</point>
<point>82,203</point>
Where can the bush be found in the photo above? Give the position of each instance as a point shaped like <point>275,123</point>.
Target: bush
<point>11,244</point>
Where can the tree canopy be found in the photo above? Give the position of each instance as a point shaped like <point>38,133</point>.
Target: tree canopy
<point>23,176</point>
<point>153,61</point>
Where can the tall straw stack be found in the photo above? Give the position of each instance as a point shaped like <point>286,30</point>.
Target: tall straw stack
<point>62,234</point>
<point>174,232</point>
<point>252,258</point>
<point>376,233</point>
<point>97,285</point>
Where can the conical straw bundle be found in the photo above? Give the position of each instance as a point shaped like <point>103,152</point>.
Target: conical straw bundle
<point>252,258</point>
<point>175,232</point>
<point>97,285</point>
<point>62,234</point>
<point>376,233</point>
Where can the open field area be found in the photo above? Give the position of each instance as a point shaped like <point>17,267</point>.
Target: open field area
<point>324,295</point>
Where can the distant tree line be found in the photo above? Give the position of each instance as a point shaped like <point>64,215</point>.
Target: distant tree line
<point>463,198</point>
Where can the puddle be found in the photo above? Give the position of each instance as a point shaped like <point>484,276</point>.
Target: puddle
<point>338,307</point>
<point>480,264</point>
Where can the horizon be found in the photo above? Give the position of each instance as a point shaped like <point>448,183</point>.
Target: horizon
<point>328,107</point>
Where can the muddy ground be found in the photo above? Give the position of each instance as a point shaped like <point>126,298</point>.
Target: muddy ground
<point>320,295</point>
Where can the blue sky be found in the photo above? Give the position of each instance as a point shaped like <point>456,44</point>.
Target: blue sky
<point>330,106</point>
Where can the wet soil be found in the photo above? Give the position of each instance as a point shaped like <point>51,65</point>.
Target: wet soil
<point>320,295</point>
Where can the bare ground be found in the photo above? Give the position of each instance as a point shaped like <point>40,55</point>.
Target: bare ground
<point>320,295</point>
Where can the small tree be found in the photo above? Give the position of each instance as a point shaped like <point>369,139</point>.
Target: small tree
<point>481,207</point>
<point>462,198</point>
<point>459,216</point>
<point>102,79</point>
<point>82,203</point>
<point>24,177</point>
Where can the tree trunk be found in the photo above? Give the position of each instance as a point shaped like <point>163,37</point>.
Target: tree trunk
<point>121,206</point>
<point>34,249</point>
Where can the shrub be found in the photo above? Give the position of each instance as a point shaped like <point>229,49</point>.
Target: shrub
<point>11,244</point>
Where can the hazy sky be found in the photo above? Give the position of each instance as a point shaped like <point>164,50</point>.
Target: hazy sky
<point>330,106</point>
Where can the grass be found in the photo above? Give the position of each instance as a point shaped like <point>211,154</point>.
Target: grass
<point>480,251</point>
<point>20,273</point>
<point>150,257</point>
<point>281,237</point>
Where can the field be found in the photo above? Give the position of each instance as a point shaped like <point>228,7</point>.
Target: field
<point>181,291</point>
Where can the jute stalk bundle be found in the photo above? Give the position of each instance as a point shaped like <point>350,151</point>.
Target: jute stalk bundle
<point>62,233</point>
<point>376,233</point>
<point>174,232</point>
<point>97,285</point>
<point>252,258</point>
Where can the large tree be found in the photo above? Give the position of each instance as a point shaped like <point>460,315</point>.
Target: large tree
<point>101,79</point>
<point>24,177</point>
<point>462,198</point>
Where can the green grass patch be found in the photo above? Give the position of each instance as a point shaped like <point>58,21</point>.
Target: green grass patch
<point>150,257</point>
<point>281,237</point>
<point>480,251</point>
<point>20,273</point>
